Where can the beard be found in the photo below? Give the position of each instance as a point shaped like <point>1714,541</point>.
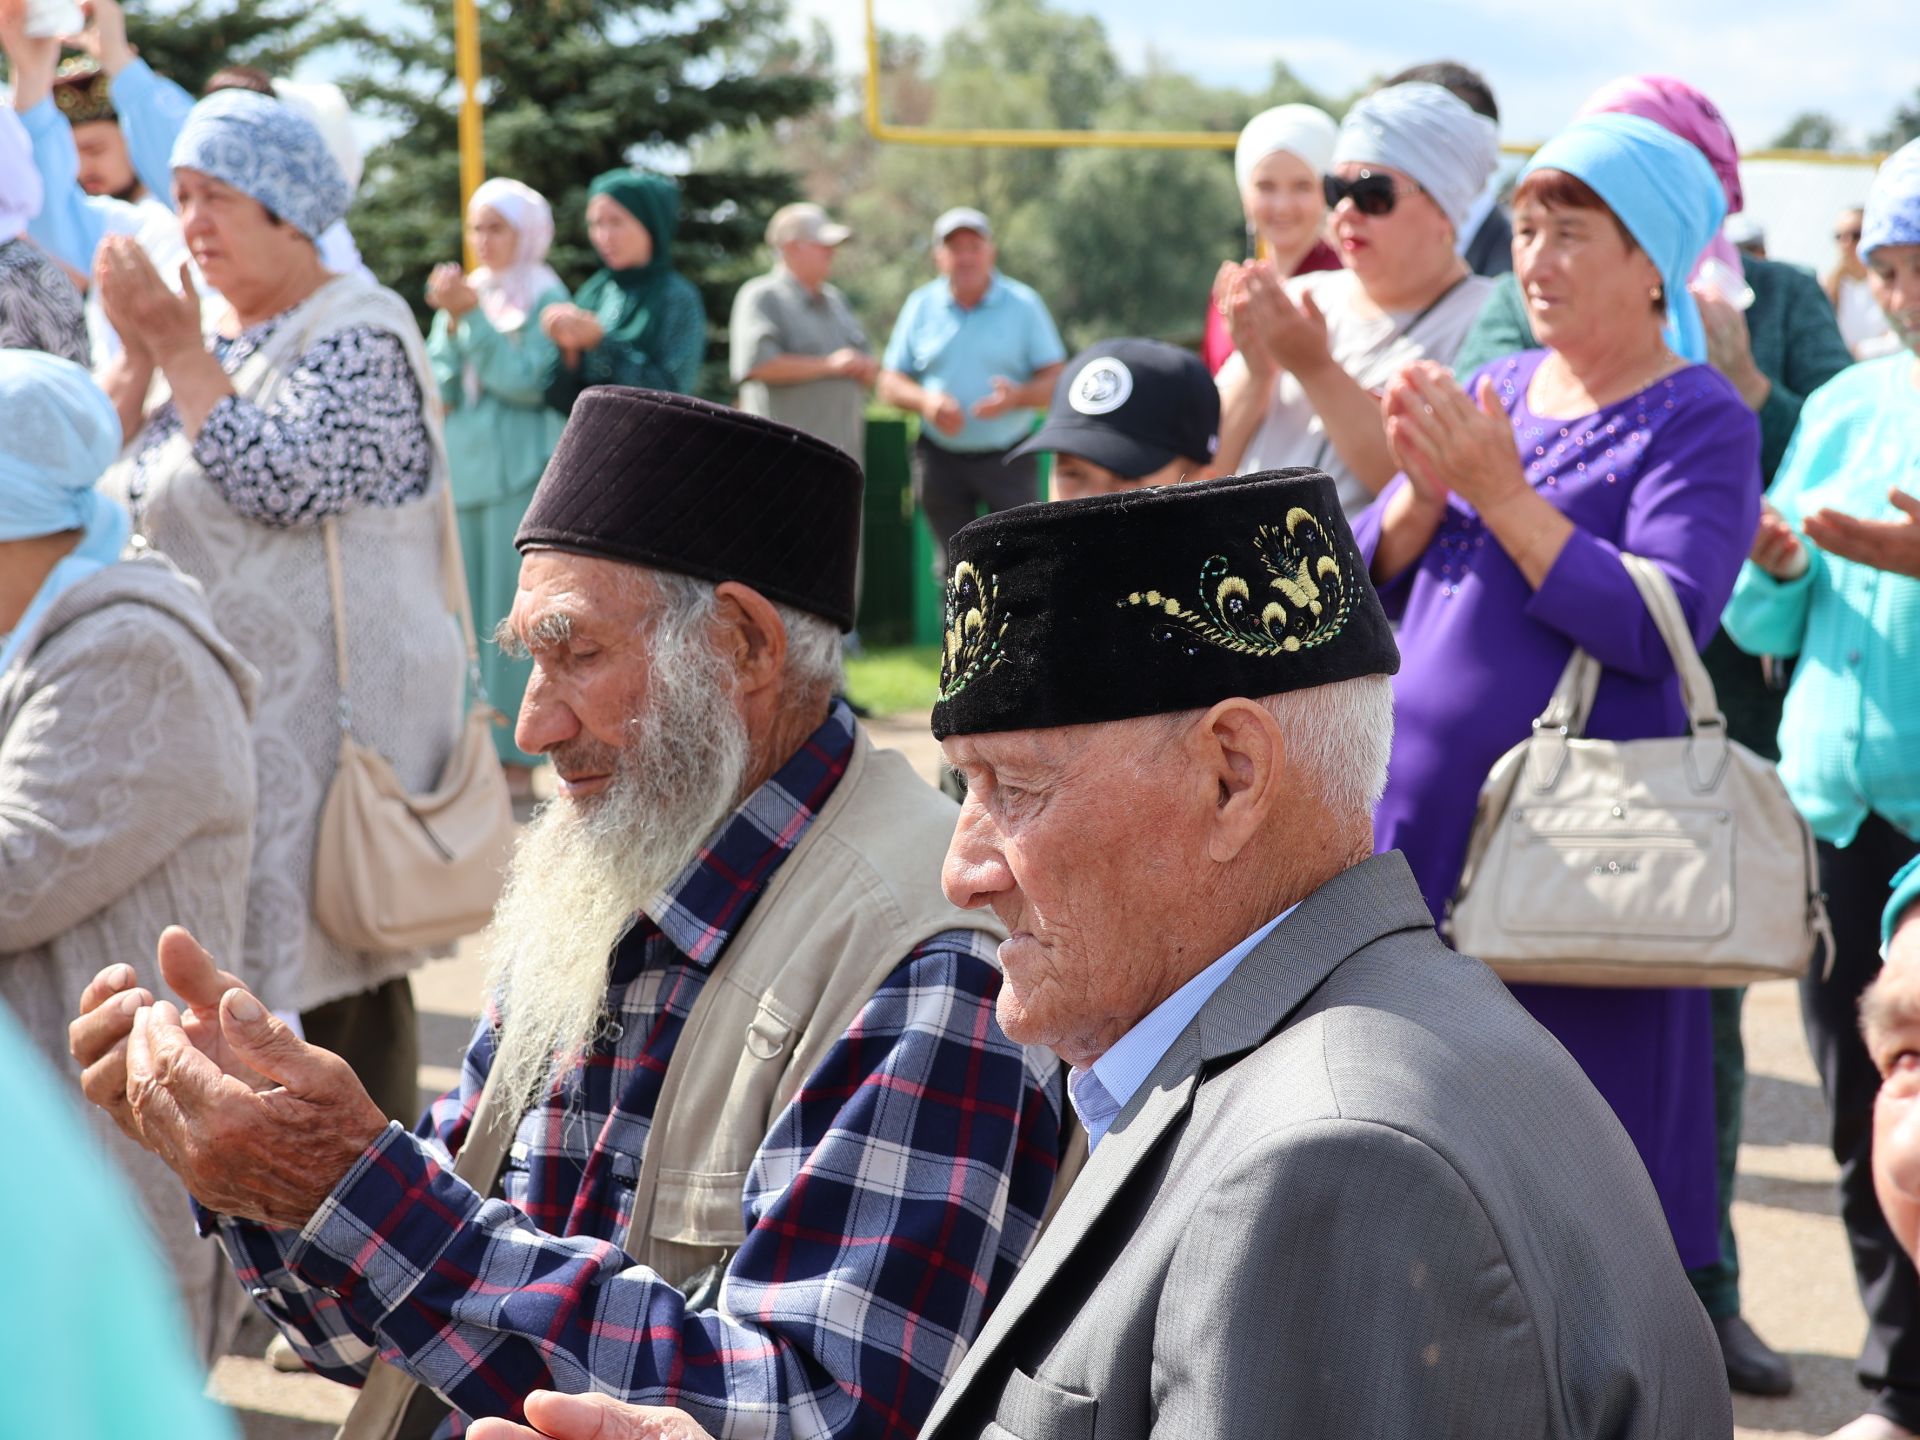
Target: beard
<point>583,869</point>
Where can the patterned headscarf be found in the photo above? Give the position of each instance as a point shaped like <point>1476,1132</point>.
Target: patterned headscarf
<point>1428,133</point>
<point>1676,106</point>
<point>1660,188</point>
<point>262,148</point>
<point>1893,202</point>
<point>61,434</point>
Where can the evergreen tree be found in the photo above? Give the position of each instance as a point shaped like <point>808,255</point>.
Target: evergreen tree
<point>188,42</point>
<point>573,88</point>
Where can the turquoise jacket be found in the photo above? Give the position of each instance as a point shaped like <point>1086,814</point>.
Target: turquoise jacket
<point>1850,735</point>
<point>498,444</point>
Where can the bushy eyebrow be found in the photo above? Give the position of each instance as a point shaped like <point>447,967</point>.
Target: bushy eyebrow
<point>548,631</point>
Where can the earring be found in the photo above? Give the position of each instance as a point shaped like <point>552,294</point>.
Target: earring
<point>1658,294</point>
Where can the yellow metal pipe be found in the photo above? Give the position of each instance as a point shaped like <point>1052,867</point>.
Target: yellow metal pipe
<point>473,158</point>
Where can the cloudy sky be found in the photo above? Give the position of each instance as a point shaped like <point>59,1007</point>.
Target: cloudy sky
<point>1762,61</point>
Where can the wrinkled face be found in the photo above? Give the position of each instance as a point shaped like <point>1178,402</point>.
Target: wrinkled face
<point>1283,200</point>
<point>1075,477</point>
<point>581,619</point>
<point>240,247</point>
<point>105,166</point>
<point>494,241</point>
<point>621,242</point>
<point>966,258</point>
<point>1890,1012</point>
<point>1414,238</point>
<point>1083,852</point>
<point>1893,275</point>
<point>809,260</point>
<point>1580,276</point>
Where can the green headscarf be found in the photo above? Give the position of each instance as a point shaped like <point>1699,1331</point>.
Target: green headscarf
<point>623,300</point>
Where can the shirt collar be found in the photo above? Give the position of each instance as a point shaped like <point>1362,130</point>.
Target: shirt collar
<point>711,898</point>
<point>990,296</point>
<point>1102,1090</point>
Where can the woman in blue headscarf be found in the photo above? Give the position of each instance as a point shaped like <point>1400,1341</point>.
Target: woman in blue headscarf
<point>1498,551</point>
<point>637,320</point>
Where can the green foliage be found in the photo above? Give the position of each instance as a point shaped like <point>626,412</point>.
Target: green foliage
<point>1117,241</point>
<point>1904,126</point>
<point>573,88</point>
<point>895,680</point>
<point>187,43</point>
<point>1809,130</point>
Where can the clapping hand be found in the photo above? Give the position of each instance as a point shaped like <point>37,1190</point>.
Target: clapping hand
<point>1270,328</point>
<point>1448,443</point>
<point>1891,545</point>
<point>590,1417</point>
<point>152,321</point>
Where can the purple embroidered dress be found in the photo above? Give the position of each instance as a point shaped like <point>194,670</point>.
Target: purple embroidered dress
<point>1671,474</point>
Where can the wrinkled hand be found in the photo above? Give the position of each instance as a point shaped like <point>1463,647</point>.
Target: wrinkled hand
<point>448,289</point>
<point>851,364</point>
<point>943,412</point>
<point>1448,443</point>
<point>150,319</point>
<point>1776,549</point>
<point>1730,345</point>
<point>590,1417</point>
<point>105,37</point>
<point>1292,334</point>
<point>97,1036</point>
<point>270,1156</point>
<point>1891,545</point>
<point>998,401</point>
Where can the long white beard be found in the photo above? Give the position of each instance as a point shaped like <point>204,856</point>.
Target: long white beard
<point>582,870</point>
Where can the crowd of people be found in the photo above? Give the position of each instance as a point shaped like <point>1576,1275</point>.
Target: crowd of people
<point>1138,1090</point>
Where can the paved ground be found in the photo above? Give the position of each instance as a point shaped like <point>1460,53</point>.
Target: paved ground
<point>1799,1287</point>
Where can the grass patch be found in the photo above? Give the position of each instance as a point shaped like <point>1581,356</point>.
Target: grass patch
<point>888,680</point>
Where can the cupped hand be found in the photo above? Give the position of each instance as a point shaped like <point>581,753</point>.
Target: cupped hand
<point>1448,443</point>
<point>1890,545</point>
<point>150,319</point>
<point>997,401</point>
<point>1776,549</point>
<point>590,1417</point>
<point>1291,333</point>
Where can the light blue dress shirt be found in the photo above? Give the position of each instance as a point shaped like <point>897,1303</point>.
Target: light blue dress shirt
<point>153,111</point>
<point>1102,1090</point>
<point>947,348</point>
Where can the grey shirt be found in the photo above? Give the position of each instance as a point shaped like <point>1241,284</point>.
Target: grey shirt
<point>774,314</point>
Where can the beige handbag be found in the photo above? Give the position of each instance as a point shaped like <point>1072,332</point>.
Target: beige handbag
<point>394,871</point>
<point>1638,862</point>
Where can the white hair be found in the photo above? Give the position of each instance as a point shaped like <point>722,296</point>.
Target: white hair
<point>686,605</point>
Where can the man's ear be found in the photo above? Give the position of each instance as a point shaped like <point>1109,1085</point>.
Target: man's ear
<point>751,635</point>
<point>1242,747</point>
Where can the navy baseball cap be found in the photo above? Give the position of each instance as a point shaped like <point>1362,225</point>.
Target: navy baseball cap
<point>1132,406</point>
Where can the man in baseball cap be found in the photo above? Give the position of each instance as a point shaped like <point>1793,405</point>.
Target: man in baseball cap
<point>1128,414</point>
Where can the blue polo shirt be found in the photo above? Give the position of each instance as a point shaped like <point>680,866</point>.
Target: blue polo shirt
<point>955,351</point>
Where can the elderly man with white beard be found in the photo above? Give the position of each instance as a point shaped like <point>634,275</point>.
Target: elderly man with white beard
<point>740,1131</point>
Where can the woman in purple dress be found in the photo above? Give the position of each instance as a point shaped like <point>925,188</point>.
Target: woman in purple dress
<point>1498,551</point>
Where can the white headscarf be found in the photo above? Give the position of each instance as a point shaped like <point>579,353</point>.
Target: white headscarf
<point>1301,130</point>
<point>1426,132</point>
<point>507,295</point>
<point>20,189</point>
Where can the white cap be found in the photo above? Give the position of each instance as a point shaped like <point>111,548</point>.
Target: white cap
<point>804,221</point>
<point>961,217</point>
<point>325,107</point>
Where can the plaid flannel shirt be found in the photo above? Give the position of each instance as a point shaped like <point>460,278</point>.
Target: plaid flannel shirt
<point>886,1212</point>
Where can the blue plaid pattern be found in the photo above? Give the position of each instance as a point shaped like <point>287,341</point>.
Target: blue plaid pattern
<point>887,1210</point>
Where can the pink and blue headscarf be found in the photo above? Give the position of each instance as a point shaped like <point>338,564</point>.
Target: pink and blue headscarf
<point>1675,105</point>
<point>61,434</point>
<point>1893,202</point>
<point>1662,190</point>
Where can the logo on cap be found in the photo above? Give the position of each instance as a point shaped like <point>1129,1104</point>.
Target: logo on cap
<point>1101,387</point>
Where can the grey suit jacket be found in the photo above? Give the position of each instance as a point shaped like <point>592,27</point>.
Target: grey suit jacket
<point>1363,1196</point>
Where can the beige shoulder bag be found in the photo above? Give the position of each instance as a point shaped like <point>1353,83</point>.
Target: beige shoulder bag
<point>1638,862</point>
<point>394,871</point>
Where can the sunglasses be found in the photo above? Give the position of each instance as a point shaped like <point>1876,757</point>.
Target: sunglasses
<point>1372,193</point>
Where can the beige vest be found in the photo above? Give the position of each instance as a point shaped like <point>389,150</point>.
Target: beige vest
<point>859,891</point>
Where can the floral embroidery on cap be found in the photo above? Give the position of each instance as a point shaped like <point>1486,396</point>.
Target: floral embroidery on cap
<point>975,628</point>
<point>1304,602</point>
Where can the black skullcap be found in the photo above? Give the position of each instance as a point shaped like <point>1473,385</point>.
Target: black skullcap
<point>704,490</point>
<point>1154,601</point>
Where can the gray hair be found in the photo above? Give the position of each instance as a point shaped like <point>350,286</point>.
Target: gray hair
<point>685,606</point>
<point>1338,740</point>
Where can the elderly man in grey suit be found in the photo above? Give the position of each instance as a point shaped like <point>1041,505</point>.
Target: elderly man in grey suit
<point>1341,1185</point>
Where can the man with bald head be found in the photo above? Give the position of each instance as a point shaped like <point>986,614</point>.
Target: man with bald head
<point>739,1130</point>
<point>1341,1184</point>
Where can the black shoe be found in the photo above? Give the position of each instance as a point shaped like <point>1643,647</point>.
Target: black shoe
<point>1753,1366</point>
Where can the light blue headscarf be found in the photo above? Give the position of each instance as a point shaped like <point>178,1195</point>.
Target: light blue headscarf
<point>1664,192</point>
<point>1893,202</point>
<point>267,150</point>
<point>59,435</point>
